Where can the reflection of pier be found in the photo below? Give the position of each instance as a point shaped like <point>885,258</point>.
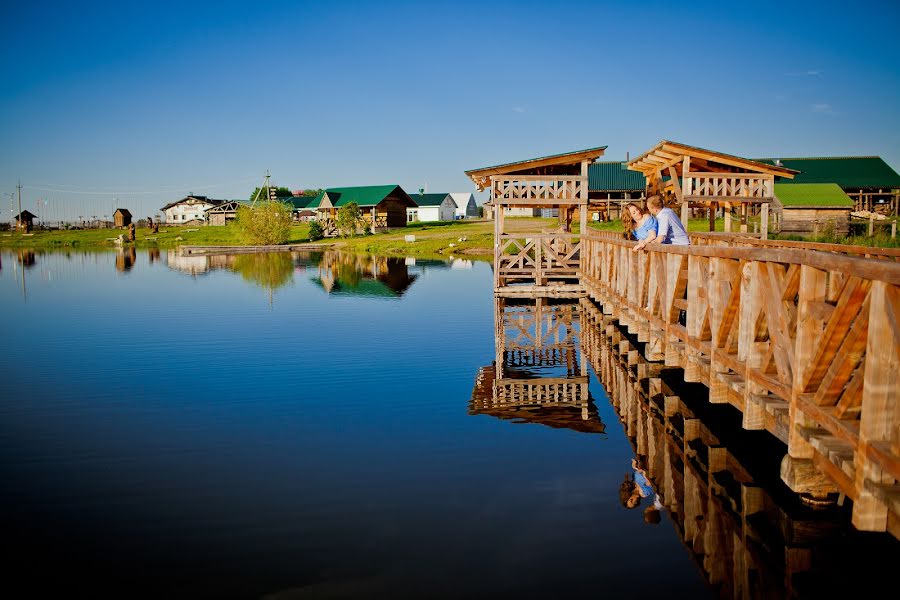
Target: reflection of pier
<point>746,531</point>
<point>539,374</point>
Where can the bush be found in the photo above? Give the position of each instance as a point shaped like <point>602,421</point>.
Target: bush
<point>266,224</point>
<point>316,232</point>
<point>348,219</point>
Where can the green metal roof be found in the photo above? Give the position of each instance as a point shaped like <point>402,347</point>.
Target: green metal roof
<point>364,196</point>
<point>428,199</point>
<point>614,176</point>
<point>846,171</point>
<point>812,195</point>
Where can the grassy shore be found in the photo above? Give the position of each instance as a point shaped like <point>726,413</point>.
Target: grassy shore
<point>473,239</point>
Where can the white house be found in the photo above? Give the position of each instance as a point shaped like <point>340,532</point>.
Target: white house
<point>465,205</point>
<point>189,210</point>
<point>432,207</point>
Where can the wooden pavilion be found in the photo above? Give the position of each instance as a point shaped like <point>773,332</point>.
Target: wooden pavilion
<point>697,178</point>
<point>543,262</point>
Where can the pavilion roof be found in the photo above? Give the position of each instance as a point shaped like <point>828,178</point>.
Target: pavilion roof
<point>671,154</point>
<point>482,175</point>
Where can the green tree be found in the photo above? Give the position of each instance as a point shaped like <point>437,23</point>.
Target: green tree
<point>280,192</point>
<point>267,223</point>
<point>316,232</point>
<point>310,193</point>
<point>348,219</point>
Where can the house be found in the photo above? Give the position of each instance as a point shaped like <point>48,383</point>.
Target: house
<point>299,210</point>
<point>869,181</point>
<point>432,207</point>
<point>25,220</point>
<point>465,205</point>
<point>813,208</point>
<point>611,185</point>
<point>190,210</point>
<point>382,206</point>
<point>122,217</point>
<point>224,213</point>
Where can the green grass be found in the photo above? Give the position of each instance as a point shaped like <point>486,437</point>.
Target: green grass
<point>168,237</point>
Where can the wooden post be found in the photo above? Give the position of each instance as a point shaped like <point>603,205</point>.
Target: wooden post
<point>871,225</point>
<point>880,414</point>
<point>764,221</point>
<point>685,212</point>
<point>743,217</point>
<point>726,209</point>
<point>894,230</point>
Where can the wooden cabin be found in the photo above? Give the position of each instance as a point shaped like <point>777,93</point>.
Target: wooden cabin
<point>381,206</point>
<point>25,220</point>
<point>543,262</point>
<point>696,178</point>
<point>813,208</point>
<point>122,218</point>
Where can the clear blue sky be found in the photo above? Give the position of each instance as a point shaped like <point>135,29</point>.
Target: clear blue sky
<point>143,105</point>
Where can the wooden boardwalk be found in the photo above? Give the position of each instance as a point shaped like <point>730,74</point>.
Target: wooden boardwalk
<point>804,342</point>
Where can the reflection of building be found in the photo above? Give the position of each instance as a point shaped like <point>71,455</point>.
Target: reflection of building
<point>748,533</point>
<point>358,275</point>
<point>125,258</point>
<point>198,264</point>
<point>539,374</point>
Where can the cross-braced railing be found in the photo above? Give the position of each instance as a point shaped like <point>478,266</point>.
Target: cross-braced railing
<point>806,344</point>
<point>539,257</point>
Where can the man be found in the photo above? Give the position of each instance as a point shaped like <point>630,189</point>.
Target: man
<point>670,229</point>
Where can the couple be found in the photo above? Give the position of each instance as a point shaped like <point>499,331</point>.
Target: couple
<point>656,224</point>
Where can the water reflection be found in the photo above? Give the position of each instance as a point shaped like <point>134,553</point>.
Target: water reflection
<point>748,533</point>
<point>269,271</point>
<point>539,375</point>
<point>125,258</point>
<point>360,275</point>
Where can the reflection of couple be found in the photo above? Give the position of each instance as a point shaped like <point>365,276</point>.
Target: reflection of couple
<point>655,224</point>
<point>636,488</point>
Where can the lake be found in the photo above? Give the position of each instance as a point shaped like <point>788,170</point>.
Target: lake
<point>319,425</point>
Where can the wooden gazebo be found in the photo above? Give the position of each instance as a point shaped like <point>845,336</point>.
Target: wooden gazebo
<point>539,262</point>
<point>697,178</point>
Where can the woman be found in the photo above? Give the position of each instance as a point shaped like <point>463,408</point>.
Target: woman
<point>639,224</point>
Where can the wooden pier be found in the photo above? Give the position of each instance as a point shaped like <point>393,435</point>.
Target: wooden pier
<point>805,343</point>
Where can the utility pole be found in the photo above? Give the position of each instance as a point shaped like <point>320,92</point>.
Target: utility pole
<point>265,185</point>
<point>19,186</point>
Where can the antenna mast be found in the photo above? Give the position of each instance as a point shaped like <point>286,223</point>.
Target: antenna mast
<point>268,188</point>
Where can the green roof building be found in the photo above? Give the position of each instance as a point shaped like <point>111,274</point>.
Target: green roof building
<point>382,206</point>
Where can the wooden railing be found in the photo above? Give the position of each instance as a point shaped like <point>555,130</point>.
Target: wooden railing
<point>806,344</point>
<point>746,241</point>
<point>538,258</point>
<point>539,189</point>
<point>715,185</point>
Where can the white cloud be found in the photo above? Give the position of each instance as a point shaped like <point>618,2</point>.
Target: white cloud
<point>518,109</point>
<point>822,108</point>
<point>806,73</point>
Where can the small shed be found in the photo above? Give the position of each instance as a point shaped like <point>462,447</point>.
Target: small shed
<point>122,218</point>
<point>466,208</point>
<point>25,220</point>
<point>813,208</point>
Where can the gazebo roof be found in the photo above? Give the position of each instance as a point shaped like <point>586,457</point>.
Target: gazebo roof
<point>482,175</point>
<point>671,154</point>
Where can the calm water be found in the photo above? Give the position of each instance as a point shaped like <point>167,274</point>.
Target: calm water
<point>307,426</point>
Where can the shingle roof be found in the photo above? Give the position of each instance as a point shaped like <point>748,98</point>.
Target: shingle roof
<point>429,199</point>
<point>812,195</point>
<point>846,171</point>
<point>614,176</point>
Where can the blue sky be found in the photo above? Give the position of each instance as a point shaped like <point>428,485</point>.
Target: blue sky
<point>141,105</point>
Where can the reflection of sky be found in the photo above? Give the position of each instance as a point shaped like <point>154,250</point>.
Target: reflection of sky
<point>161,419</point>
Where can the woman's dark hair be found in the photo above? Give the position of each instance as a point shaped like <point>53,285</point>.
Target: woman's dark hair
<point>626,489</point>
